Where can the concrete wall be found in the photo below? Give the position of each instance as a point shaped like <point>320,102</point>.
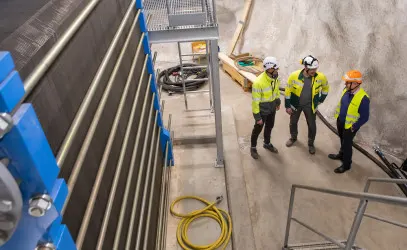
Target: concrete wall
<point>367,35</point>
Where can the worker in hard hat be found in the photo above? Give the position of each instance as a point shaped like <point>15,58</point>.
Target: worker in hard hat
<point>305,90</point>
<point>351,114</point>
<point>265,102</point>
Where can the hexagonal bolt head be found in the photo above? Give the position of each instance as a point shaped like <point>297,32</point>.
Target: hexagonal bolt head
<point>46,246</point>
<point>39,205</point>
<point>5,206</point>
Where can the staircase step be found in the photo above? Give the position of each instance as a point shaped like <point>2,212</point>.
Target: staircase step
<point>317,246</point>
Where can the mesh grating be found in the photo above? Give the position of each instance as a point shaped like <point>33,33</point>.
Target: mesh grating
<point>159,12</point>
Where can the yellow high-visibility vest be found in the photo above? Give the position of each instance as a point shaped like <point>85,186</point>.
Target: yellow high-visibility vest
<point>264,89</point>
<point>295,84</point>
<point>352,116</point>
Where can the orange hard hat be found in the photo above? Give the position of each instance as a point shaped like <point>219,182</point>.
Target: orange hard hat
<point>353,76</point>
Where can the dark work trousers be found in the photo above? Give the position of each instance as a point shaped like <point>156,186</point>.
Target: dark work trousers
<point>312,126</point>
<point>268,121</point>
<point>346,136</point>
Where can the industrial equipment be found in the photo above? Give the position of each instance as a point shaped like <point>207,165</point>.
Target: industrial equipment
<point>84,151</point>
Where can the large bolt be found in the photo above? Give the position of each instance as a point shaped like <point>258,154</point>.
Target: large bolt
<point>39,205</point>
<point>5,206</point>
<point>46,246</point>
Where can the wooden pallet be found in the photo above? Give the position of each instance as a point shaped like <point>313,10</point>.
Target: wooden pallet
<point>237,77</point>
<point>243,78</point>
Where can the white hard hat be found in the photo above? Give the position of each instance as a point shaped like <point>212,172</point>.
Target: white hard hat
<point>270,63</point>
<point>310,62</point>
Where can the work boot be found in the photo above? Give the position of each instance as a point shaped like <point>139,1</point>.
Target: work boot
<point>270,147</point>
<point>311,149</point>
<point>335,156</point>
<point>290,142</point>
<point>341,169</point>
<point>253,153</point>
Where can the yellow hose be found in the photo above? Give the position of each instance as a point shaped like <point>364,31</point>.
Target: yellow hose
<point>210,211</point>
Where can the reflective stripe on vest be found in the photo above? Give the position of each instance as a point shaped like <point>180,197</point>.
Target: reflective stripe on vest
<point>352,115</point>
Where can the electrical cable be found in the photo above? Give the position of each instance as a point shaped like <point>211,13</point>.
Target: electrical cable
<point>169,85</point>
<point>388,170</point>
<point>249,59</point>
<point>211,211</point>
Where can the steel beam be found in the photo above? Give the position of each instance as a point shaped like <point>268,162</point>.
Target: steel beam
<point>214,69</point>
<point>183,35</point>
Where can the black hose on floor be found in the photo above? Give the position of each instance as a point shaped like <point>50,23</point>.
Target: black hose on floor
<point>171,86</point>
<point>388,170</point>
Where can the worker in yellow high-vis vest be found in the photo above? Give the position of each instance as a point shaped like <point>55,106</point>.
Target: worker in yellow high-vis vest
<point>265,102</point>
<point>351,113</point>
<point>305,90</point>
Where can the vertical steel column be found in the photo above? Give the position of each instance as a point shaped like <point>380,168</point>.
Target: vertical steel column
<point>182,75</point>
<point>209,73</point>
<point>214,65</point>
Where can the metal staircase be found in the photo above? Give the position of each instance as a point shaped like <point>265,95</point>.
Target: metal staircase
<point>364,198</point>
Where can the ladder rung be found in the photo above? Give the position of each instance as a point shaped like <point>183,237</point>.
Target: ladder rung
<point>196,79</point>
<point>198,91</point>
<point>195,54</point>
<point>196,67</point>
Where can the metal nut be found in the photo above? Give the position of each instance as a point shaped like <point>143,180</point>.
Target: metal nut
<point>46,246</point>
<point>39,205</point>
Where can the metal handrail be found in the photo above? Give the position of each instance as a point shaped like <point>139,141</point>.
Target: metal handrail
<point>402,225</point>
<point>369,197</point>
<point>384,180</point>
<point>364,197</point>
<point>339,244</point>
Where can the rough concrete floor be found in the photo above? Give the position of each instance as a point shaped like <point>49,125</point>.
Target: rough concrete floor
<point>269,179</point>
<point>194,172</point>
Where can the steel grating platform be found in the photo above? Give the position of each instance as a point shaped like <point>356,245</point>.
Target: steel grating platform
<point>161,29</point>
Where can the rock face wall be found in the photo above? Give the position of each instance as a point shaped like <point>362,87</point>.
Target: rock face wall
<point>367,35</point>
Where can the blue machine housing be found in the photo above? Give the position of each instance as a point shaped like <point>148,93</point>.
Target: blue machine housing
<point>33,164</point>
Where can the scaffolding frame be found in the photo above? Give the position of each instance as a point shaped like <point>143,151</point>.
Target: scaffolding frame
<point>178,21</point>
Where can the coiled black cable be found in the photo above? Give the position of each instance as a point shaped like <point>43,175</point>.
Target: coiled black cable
<point>169,85</point>
<point>387,169</point>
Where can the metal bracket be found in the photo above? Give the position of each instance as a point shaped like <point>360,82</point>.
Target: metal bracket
<point>219,164</point>
<point>6,124</point>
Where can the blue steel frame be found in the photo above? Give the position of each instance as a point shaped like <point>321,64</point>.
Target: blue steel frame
<point>33,164</point>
